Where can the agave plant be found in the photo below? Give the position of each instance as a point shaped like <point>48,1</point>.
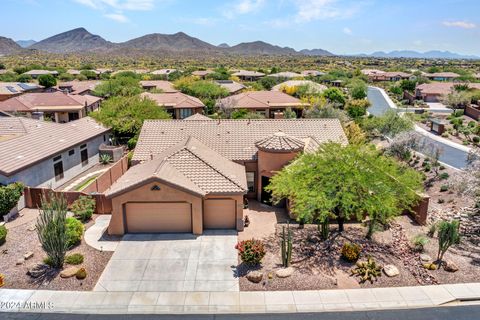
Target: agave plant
<point>105,159</point>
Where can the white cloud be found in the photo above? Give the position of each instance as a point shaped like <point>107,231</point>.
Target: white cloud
<point>347,31</point>
<point>460,24</point>
<point>116,17</point>
<point>310,10</point>
<point>242,7</point>
<point>131,5</point>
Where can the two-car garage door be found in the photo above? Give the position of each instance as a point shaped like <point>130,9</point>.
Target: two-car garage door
<point>168,217</point>
<point>154,217</point>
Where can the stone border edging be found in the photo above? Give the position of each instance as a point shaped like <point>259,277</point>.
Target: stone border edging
<point>13,300</point>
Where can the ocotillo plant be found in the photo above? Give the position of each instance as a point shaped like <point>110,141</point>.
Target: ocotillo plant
<point>286,246</point>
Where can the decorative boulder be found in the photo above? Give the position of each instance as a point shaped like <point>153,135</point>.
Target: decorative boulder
<point>390,270</point>
<point>20,261</point>
<point>255,276</point>
<point>284,273</point>
<point>69,272</point>
<point>37,270</point>
<point>28,255</point>
<point>450,267</point>
<point>425,257</point>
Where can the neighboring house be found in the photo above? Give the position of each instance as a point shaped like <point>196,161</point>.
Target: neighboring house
<point>75,72</point>
<point>232,87</point>
<point>268,103</point>
<point>442,76</point>
<point>390,76</point>
<point>164,72</point>
<point>433,92</point>
<point>47,154</point>
<point>247,75</point>
<point>78,87</point>
<point>202,74</point>
<point>165,86</point>
<point>58,106</point>
<point>179,105</point>
<point>370,72</point>
<point>287,75</point>
<point>13,89</point>
<point>312,73</point>
<point>37,73</point>
<point>312,86</point>
<point>188,176</point>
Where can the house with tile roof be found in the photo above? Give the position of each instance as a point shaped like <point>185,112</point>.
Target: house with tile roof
<point>247,75</point>
<point>37,73</point>
<point>48,154</point>
<point>286,75</point>
<point>78,87</point>
<point>434,91</point>
<point>57,106</point>
<point>232,87</point>
<point>12,89</point>
<point>442,76</point>
<point>164,86</point>
<point>267,103</point>
<point>179,105</point>
<point>193,174</point>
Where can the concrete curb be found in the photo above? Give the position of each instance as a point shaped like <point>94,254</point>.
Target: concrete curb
<point>46,301</point>
<point>442,140</point>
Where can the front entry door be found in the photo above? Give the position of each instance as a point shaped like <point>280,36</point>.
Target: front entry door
<point>266,196</point>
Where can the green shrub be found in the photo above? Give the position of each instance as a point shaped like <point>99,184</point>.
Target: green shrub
<point>442,167</point>
<point>427,168</point>
<point>83,208</point>
<point>75,259</point>
<point>74,232</point>
<point>251,251</point>
<point>448,235</point>
<point>48,261</point>
<point>351,251</point>
<point>444,188</point>
<point>3,234</point>
<point>419,242</point>
<point>9,196</point>
<point>105,158</point>
<point>444,176</point>
<point>476,139</point>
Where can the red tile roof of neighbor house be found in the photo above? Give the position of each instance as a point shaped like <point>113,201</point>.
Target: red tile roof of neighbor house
<point>261,100</point>
<point>230,85</point>
<point>280,142</point>
<point>442,88</point>
<point>165,86</point>
<point>31,141</point>
<point>174,100</point>
<point>197,117</point>
<point>51,101</point>
<point>79,87</point>
<point>442,75</point>
<point>286,74</point>
<point>190,165</point>
<point>40,72</point>
<point>202,73</point>
<point>234,139</point>
<point>248,73</point>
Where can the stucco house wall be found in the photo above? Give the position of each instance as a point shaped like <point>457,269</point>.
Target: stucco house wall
<point>42,174</point>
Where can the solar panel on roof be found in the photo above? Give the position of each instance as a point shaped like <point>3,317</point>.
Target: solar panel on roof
<point>25,86</point>
<point>11,89</point>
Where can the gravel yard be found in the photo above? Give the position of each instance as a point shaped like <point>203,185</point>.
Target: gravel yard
<point>22,238</point>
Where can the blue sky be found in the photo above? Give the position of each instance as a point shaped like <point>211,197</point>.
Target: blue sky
<point>340,26</point>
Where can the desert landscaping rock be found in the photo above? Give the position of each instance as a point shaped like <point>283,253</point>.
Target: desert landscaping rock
<point>450,267</point>
<point>390,270</point>
<point>255,276</point>
<point>37,270</point>
<point>284,273</point>
<point>28,255</point>
<point>425,257</point>
<point>69,272</point>
<point>20,261</point>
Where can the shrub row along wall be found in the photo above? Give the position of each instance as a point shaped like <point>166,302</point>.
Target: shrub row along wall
<point>33,196</point>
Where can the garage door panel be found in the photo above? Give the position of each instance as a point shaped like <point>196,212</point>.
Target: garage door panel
<point>158,217</point>
<point>219,214</point>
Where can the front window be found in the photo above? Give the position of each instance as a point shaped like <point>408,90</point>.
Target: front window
<point>185,113</point>
<point>251,181</point>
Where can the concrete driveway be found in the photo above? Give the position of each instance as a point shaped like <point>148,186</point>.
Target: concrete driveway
<point>173,262</point>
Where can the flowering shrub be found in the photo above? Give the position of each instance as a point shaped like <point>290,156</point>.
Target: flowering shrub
<point>251,251</point>
<point>351,251</point>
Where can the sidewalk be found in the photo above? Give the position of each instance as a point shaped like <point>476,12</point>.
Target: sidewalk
<point>236,302</point>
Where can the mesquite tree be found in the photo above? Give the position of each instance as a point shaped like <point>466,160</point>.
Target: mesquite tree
<point>51,228</point>
<point>346,182</point>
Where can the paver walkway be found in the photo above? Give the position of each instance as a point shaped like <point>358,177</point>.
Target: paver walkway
<point>173,262</point>
<point>237,302</point>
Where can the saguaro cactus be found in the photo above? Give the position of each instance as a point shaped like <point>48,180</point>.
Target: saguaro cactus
<point>286,246</point>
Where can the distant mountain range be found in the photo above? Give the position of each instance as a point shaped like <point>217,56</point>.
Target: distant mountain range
<point>81,41</point>
<point>434,54</point>
<point>25,43</point>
